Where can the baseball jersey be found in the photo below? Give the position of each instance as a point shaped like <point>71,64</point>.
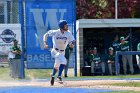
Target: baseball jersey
<point>60,40</point>
<point>90,57</point>
<point>14,48</point>
<point>96,58</point>
<point>116,45</point>
<point>111,57</point>
<point>125,46</point>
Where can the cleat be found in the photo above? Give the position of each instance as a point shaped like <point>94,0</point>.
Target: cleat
<point>60,80</point>
<point>52,80</point>
<point>65,76</point>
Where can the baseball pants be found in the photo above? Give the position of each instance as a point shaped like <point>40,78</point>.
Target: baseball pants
<point>59,57</point>
<point>112,68</point>
<point>93,64</point>
<point>125,59</point>
<point>15,65</point>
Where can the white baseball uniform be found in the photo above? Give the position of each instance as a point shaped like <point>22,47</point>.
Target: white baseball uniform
<point>60,41</point>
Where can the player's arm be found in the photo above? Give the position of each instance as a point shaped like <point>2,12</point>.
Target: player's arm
<point>13,51</point>
<point>45,40</point>
<point>19,50</point>
<point>71,41</point>
<point>48,34</point>
<point>127,37</point>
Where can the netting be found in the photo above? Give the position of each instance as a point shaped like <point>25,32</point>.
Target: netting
<point>9,11</point>
<point>9,14</point>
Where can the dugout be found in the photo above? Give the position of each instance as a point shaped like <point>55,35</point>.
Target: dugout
<point>100,33</point>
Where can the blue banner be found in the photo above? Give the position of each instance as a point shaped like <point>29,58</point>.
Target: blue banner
<point>41,16</point>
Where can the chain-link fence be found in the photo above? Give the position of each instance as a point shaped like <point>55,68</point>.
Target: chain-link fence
<point>9,14</point>
<point>9,11</point>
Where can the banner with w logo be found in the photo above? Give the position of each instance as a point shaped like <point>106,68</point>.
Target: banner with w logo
<point>41,16</point>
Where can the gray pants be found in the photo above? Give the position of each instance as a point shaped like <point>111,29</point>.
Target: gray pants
<point>15,65</point>
<point>112,68</point>
<point>66,67</point>
<point>125,59</point>
<point>94,65</point>
<point>67,64</point>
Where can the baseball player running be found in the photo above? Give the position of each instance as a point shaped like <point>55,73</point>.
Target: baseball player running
<point>60,38</point>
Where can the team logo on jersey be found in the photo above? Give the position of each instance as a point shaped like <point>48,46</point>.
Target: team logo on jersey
<point>125,48</point>
<point>61,38</point>
<point>7,36</point>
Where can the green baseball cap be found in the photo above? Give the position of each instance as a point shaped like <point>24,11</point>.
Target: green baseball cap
<point>122,38</point>
<point>111,48</point>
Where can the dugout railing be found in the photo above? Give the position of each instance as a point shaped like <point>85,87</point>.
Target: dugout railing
<point>123,53</point>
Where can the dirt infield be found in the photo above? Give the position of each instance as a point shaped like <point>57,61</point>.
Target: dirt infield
<point>92,84</point>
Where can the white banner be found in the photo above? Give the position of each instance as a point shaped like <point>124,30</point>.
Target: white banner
<point>9,32</point>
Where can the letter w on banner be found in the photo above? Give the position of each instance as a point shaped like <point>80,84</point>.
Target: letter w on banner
<point>41,16</point>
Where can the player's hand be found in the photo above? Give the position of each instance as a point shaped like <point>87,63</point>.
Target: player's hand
<point>46,46</point>
<point>72,44</point>
<point>109,61</point>
<point>18,52</point>
<point>96,62</point>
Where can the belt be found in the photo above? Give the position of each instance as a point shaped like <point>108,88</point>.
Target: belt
<point>58,49</point>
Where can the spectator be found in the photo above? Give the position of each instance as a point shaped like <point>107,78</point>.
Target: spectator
<point>96,61</point>
<point>15,60</point>
<point>138,56</point>
<point>124,46</point>
<point>111,61</point>
<point>68,52</point>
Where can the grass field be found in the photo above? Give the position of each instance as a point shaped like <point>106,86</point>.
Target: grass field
<point>130,84</point>
<point>29,73</point>
<point>45,73</point>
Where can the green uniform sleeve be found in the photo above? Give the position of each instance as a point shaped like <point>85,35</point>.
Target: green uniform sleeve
<point>90,57</point>
<point>138,47</point>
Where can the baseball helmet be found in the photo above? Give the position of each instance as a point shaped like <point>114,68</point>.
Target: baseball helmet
<point>62,23</point>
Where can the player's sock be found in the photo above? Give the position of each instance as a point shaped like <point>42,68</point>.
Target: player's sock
<point>54,71</point>
<point>61,69</point>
